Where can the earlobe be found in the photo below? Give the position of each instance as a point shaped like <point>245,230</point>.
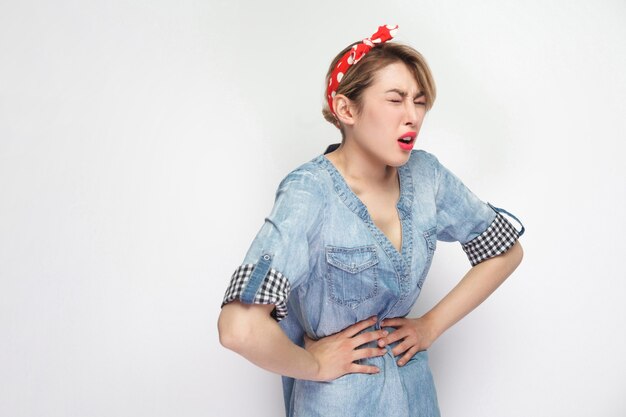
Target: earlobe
<point>343,109</point>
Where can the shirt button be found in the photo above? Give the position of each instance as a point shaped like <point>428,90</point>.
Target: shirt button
<point>266,257</point>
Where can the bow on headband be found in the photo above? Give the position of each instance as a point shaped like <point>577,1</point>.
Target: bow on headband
<point>353,56</point>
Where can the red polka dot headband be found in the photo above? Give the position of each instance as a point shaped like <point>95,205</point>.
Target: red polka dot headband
<point>353,56</point>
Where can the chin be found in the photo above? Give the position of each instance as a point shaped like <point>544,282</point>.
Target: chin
<point>399,160</point>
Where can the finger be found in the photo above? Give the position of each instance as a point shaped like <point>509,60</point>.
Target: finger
<point>363,369</point>
<point>401,348</point>
<point>368,353</point>
<point>395,336</point>
<point>395,322</point>
<point>408,355</point>
<point>367,337</point>
<point>359,326</point>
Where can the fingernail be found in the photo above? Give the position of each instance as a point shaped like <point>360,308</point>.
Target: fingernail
<point>385,333</point>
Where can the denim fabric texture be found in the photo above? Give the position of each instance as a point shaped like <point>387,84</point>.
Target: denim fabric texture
<point>342,269</point>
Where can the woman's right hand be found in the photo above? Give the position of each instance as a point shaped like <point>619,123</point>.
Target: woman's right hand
<point>335,354</point>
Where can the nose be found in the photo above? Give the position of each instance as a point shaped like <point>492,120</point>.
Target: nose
<point>411,114</point>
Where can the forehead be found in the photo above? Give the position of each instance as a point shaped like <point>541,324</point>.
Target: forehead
<point>395,76</point>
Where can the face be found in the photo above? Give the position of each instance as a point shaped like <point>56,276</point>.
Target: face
<point>393,108</point>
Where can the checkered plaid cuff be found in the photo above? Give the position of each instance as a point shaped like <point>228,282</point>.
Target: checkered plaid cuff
<point>497,239</point>
<point>273,290</point>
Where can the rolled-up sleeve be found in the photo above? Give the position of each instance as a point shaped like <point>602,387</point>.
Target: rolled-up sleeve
<point>278,258</point>
<point>495,240</point>
<point>481,228</point>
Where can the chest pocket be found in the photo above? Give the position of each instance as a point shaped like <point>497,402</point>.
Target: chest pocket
<point>352,274</point>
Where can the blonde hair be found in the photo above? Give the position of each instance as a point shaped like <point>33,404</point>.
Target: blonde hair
<point>361,75</point>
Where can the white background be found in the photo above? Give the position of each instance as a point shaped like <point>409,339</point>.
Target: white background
<point>141,143</point>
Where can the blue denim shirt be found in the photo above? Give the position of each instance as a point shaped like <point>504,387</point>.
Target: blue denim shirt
<point>323,262</point>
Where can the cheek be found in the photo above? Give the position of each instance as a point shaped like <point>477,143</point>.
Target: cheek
<point>382,119</point>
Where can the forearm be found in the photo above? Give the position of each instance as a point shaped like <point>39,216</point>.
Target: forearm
<point>250,331</point>
<point>473,289</point>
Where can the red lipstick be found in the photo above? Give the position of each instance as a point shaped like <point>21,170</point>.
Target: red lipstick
<point>407,141</point>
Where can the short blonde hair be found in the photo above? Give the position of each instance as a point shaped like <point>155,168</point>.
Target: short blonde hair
<point>361,75</point>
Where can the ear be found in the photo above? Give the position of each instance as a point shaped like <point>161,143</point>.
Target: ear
<point>344,109</point>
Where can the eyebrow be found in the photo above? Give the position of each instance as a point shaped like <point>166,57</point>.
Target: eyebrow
<point>403,93</point>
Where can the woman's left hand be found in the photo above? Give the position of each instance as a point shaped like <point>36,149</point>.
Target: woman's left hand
<point>416,335</point>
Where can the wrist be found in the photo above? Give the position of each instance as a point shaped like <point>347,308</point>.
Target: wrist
<point>433,328</point>
<point>312,367</point>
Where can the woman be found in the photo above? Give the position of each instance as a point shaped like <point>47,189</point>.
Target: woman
<point>322,294</point>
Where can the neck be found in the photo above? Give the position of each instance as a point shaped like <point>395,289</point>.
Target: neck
<point>361,169</point>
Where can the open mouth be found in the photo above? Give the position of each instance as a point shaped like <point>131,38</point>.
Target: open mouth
<point>406,142</point>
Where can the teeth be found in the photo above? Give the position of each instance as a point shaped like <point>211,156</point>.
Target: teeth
<point>405,140</point>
